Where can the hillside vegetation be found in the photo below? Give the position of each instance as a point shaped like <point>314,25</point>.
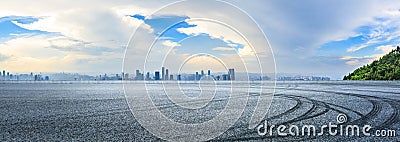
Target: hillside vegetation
<point>386,68</point>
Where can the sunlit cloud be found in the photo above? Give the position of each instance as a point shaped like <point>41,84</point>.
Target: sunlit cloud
<point>223,49</point>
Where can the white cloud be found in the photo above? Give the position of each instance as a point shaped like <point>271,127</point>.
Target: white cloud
<point>88,33</point>
<point>218,31</point>
<point>93,26</point>
<point>224,49</point>
<point>55,53</point>
<point>358,61</point>
<point>103,25</point>
<point>170,43</point>
<point>386,48</point>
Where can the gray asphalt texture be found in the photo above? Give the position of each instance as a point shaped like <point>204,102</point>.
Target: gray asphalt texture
<point>99,111</point>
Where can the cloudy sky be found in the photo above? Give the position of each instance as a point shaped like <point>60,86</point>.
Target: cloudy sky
<point>307,37</point>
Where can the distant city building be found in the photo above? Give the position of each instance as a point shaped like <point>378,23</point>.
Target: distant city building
<point>148,76</point>
<point>137,73</point>
<point>139,76</point>
<point>225,77</point>
<point>126,76</point>
<point>163,73</point>
<point>305,78</point>
<point>231,74</point>
<point>38,77</point>
<point>157,75</point>
<point>117,77</point>
<point>166,74</point>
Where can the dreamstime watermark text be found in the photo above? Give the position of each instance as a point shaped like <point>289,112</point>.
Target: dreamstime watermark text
<point>331,129</point>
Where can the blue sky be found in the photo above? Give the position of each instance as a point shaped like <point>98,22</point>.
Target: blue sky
<point>311,37</point>
<point>8,28</point>
<point>166,27</point>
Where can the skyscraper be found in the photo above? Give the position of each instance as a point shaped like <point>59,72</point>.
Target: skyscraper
<point>179,77</point>
<point>139,76</point>
<point>4,74</point>
<point>126,77</point>
<point>157,75</point>
<point>163,73</point>
<point>171,77</point>
<point>148,76</point>
<point>137,73</point>
<point>225,77</point>
<point>231,74</point>
<point>197,76</point>
<point>202,73</point>
<point>208,72</point>
<point>166,74</point>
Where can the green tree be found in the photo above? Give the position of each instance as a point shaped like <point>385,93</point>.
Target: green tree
<point>386,68</point>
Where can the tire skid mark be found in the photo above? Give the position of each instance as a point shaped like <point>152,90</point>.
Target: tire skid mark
<point>297,106</point>
<point>377,107</point>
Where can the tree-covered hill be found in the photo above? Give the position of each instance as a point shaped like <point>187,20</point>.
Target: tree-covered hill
<point>386,68</point>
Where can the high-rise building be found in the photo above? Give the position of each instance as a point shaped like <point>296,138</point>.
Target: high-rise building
<point>202,73</point>
<point>171,77</point>
<point>231,74</point>
<point>148,76</point>
<point>179,77</point>
<point>126,77</point>
<point>139,76</point>
<point>4,73</point>
<point>197,76</point>
<point>225,77</point>
<point>157,75</point>
<point>166,74</point>
<point>163,73</point>
<point>137,73</point>
<point>208,72</point>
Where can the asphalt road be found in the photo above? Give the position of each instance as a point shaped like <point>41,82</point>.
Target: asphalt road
<point>100,112</point>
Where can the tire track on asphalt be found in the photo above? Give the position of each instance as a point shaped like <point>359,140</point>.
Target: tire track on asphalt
<point>377,107</point>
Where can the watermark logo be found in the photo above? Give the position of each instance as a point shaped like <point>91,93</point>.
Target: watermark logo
<point>173,102</point>
<point>331,129</point>
<point>341,118</point>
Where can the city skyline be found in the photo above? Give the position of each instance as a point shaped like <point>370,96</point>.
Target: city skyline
<point>306,37</point>
<point>137,75</point>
